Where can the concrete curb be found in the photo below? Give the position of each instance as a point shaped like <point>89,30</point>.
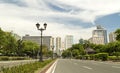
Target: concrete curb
<point>52,68</point>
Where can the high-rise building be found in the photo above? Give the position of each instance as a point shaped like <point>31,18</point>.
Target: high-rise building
<point>68,41</point>
<point>99,36</point>
<point>46,40</point>
<point>58,45</point>
<point>112,37</point>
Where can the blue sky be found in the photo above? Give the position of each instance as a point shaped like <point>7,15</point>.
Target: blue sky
<point>64,17</point>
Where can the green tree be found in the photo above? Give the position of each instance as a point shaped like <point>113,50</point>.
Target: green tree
<point>66,53</point>
<point>117,32</point>
<point>30,48</point>
<point>10,44</point>
<point>2,40</point>
<point>19,47</point>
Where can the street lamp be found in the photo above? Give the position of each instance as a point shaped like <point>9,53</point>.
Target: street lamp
<point>52,50</point>
<point>41,29</point>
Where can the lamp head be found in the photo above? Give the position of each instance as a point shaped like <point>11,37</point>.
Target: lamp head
<point>45,25</point>
<point>37,25</point>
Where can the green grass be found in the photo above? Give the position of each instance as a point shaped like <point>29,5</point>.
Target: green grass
<point>26,68</point>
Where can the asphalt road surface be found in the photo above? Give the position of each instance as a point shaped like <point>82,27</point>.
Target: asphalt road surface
<point>83,66</point>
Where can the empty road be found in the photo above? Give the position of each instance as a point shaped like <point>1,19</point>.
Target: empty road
<point>83,66</point>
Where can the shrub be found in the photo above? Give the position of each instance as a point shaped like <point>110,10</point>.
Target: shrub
<point>4,58</point>
<point>78,57</point>
<point>26,68</point>
<point>86,57</point>
<point>18,58</point>
<point>96,57</point>
<point>92,57</point>
<point>103,56</point>
<point>112,58</point>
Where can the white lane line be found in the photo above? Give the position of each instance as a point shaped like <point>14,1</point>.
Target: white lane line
<point>52,68</point>
<point>87,67</point>
<point>115,67</point>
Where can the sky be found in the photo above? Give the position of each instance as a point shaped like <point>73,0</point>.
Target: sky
<point>63,17</point>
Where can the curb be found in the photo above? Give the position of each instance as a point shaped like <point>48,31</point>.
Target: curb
<point>43,70</point>
<point>52,68</point>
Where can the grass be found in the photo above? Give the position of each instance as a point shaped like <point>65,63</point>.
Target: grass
<point>26,68</point>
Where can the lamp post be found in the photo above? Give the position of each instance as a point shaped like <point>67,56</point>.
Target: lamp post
<point>41,29</point>
<point>52,50</point>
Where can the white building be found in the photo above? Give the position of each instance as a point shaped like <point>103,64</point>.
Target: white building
<point>112,37</point>
<point>46,40</point>
<point>58,45</point>
<point>68,41</point>
<point>99,36</point>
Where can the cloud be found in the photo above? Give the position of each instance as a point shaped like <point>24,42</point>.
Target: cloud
<point>64,17</point>
<point>95,8</point>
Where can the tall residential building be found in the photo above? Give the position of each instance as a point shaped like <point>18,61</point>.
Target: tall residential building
<point>46,40</point>
<point>68,41</point>
<point>51,43</point>
<point>112,37</point>
<point>58,45</point>
<point>99,36</point>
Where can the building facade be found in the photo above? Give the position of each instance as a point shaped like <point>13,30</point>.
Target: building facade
<point>46,40</point>
<point>58,45</point>
<point>99,36</point>
<point>112,37</point>
<point>68,41</point>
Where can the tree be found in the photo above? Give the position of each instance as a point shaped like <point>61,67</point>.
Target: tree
<point>2,40</point>
<point>30,48</point>
<point>10,44</point>
<point>117,32</point>
<point>66,53</point>
<point>20,47</point>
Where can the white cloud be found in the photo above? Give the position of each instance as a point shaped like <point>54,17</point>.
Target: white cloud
<point>22,20</point>
<point>94,8</point>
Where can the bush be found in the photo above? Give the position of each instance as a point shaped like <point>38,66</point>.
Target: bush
<point>112,58</point>
<point>4,58</point>
<point>92,57</point>
<point>103,56</point>
<point>78,57</point>
<point>26,68</point>
<point>86,57</point>
<point>96,57</point>
<point>18,58</point>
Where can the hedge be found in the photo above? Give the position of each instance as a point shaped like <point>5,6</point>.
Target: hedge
<point>6,58</point>
<point>103,56</point>
<point>26,68</point>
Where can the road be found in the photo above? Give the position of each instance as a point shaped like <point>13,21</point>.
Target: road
<point>83,66</point>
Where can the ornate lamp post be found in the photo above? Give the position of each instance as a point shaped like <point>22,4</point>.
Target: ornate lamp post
<point>41,29</point>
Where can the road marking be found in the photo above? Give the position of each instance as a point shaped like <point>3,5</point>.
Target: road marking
<point>115,67</point>
<point>52,68</point>
<point>87,67</point>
